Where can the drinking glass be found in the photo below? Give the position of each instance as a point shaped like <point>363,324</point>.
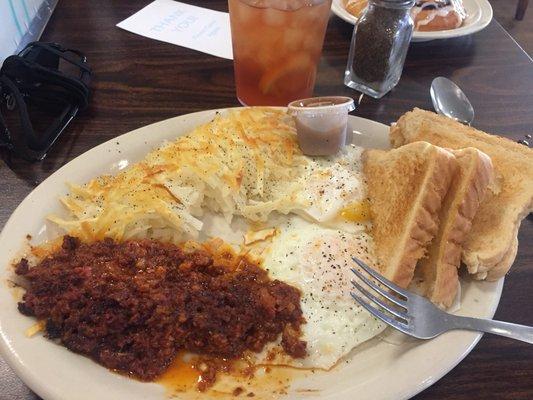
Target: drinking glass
<point>276,48</point>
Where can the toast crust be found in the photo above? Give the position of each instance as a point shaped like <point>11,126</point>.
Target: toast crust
<point>488,250</point>
<point>405,217</point>
<point>468,187</point>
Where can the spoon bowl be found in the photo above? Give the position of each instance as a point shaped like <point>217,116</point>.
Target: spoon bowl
<point>449,100</point>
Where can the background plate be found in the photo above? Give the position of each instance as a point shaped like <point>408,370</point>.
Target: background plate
<point>479,16</point>
<point>391,367</point>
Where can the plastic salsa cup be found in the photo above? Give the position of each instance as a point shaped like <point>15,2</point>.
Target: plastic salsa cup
<point>321,123</point>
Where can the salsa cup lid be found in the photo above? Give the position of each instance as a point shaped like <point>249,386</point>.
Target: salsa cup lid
<point>322,104</point>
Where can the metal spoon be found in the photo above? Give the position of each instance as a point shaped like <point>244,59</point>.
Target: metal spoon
<point>449,100</point>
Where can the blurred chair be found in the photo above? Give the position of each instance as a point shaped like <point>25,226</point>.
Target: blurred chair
<point>521,9</point>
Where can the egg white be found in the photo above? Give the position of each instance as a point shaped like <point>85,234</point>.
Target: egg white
<point>331,184</point>
<point>317,261</point>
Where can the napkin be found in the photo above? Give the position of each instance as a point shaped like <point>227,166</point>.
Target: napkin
<point>189,26</point>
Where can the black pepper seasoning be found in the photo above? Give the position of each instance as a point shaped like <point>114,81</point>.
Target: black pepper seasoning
<point>379,46</point>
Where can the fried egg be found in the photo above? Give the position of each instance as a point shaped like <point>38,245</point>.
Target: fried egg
<point>317,260</point>
<point>331,185</point>
<point>313,251</point>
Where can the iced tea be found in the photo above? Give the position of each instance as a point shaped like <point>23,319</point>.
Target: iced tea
<point>276,48</point>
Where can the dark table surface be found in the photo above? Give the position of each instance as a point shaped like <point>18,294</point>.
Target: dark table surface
<point>138,81</point>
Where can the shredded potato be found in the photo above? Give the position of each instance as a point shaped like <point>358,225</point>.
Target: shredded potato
<point>244,163</point>
<point>35,329</point>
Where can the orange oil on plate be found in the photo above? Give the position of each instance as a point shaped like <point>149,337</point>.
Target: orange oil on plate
<point>266,383</point>
<point>181,376</point>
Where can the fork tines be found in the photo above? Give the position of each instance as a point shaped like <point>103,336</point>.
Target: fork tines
<point>389,304</point>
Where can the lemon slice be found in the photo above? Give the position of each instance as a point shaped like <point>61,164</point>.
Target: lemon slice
<point>297,73</point>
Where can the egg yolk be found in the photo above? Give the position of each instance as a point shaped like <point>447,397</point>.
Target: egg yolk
<point>358,211</point>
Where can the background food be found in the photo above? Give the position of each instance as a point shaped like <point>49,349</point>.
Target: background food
<point>355,7</point>
<point>428,15</point>
<point>438,15</point>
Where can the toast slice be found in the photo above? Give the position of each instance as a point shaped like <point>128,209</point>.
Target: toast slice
<point>405,187</point>
<point>490,247</point>
<point>439,269</point>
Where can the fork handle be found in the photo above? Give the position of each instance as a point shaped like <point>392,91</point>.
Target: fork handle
<point>513,331</point>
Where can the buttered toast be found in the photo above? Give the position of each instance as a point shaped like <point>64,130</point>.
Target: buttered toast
<point>406,187</point>
<point>490,247</point>
<point>438,270</point>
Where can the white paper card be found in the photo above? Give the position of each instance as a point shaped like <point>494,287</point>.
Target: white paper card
<point>189,26</point>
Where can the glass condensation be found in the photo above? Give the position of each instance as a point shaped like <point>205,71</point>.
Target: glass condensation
<point>379,45</point>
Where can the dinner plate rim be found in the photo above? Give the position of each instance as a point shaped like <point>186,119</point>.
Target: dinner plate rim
<point>32,379</point>
<point>483,6</point>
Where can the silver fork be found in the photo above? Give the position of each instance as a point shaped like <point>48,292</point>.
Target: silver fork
<point>418,317</point>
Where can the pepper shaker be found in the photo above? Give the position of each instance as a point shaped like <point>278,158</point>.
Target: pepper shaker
<point>379,45</point>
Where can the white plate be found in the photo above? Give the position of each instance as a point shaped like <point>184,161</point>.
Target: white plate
<point>376,370</point>
<point>479,16</point>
